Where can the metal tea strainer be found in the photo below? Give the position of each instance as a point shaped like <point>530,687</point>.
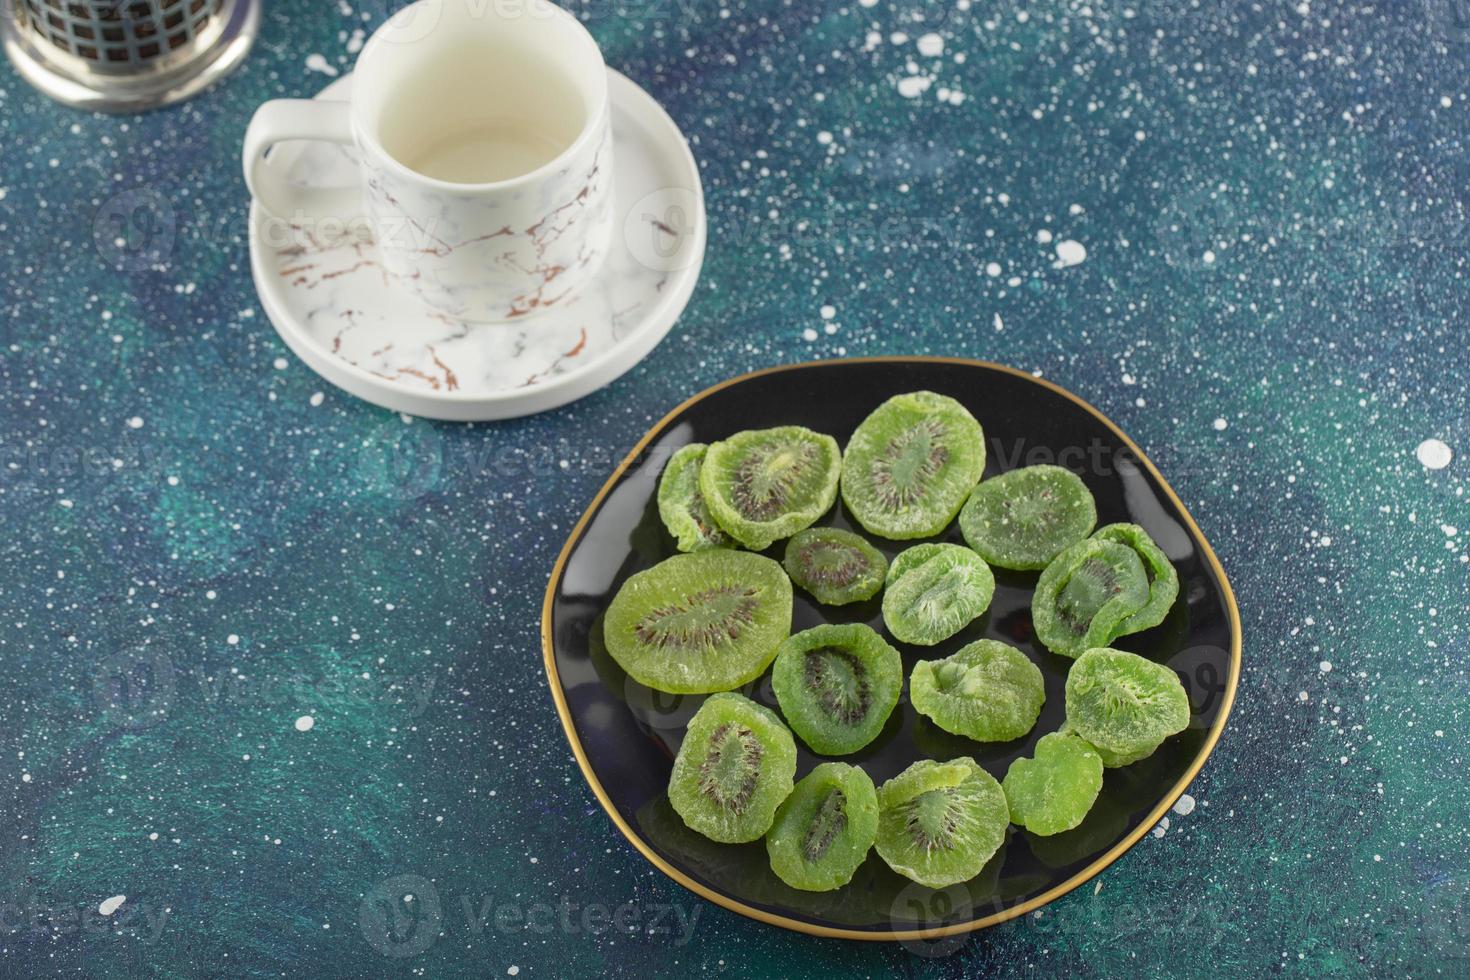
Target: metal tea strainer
<point>126,55</point>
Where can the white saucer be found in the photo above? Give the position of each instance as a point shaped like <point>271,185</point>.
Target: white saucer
<point>342,314</point>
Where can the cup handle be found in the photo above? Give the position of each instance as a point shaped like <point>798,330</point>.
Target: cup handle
<point>298,119</point>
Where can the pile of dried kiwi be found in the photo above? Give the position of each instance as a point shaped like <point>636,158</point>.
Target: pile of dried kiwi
<point>714,618</point>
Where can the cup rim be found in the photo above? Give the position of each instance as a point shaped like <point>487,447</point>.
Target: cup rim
<point>590,129</point>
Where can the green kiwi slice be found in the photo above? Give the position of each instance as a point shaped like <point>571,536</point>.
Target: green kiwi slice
<point>734,767</point>
<point>835,566</point>
<point>681,504</point>
<point>1086,594</point>
<point>698,623</point>
<point>1052,792</point>
<point>837,685</point>
<point>824,829</point>
<point>1163,579</point>
<point>1025,518</point>
<point>934,593</point>
<point>939,822</point>
<point>1124,704</point>
<point>988,691</point>
<point>910,465</point>
<point>762,485</point>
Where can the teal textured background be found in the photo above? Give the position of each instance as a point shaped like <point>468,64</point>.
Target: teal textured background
<point>201,542</point>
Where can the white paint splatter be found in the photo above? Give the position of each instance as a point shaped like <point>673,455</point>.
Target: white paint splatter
<point>316,398</point>
<point>1434,454</point>
<point>913,86</point>
<point>930,45</point>
<point>828,312</point>
<point>1162,827</point>
<point>111,905</point>
<point>1070,253</point>
<point>319,63</point>
<point>992,269</point>
<point>135,422</point>
<point>305,723</point>
<point>1184,806</point>
<point>1220,425</point>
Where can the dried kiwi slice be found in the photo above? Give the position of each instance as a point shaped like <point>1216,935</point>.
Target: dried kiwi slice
<point>835,566</point>
<point>734,768</point>
<point>837,685</point>
<point>693,624</point>
<point>932,595</point>
<point>988,691</point>
<point>1086,594</point>
<point>762,485</point>
<point>1123,704</point>
<point>1163,579</point>
<point>1025,518</point>
<point>1052,792</point>
<point>824,829</point>
<point>910,465</point>
<point>681,505</point>
<point>939,822</point>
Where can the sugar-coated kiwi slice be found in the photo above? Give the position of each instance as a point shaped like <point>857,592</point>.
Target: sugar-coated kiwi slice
<point>734,767</point>
<point>1025,518</point>
<point>681,504</point>
<point>910,465</point>
<point>1052,792</point>
<point>1123,704</point>
<point>934,593</point>
<point>1163,579</point>
<point>837,685</point>
<point>986,690</point>
<point>762,485</point>
<point>692,624</point>
<point>835,566</point>
<point>824,829</point>
<point>939,822</point>
<point>1086,594</point>
<point>911,558</point>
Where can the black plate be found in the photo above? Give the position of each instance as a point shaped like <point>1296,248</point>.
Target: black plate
<point>625,735</point>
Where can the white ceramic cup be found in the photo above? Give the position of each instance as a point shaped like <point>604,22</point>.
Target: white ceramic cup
<point>482,131</point>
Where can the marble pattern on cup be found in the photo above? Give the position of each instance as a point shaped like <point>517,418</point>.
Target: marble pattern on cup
<point>465,253</point>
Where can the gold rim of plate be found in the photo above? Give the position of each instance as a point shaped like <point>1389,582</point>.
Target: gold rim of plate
<point>1083,876</point>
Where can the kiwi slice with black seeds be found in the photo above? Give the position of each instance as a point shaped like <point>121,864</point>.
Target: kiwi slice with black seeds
<point>698,623</point>
<point>910,465</point>
<point>1086,594</point>
<point>835,566</point>
<point>837,685</point>
<point>762,485</point>
<point>734,767</point>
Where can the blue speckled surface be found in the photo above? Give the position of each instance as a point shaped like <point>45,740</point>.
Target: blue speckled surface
<point>1272,201</point>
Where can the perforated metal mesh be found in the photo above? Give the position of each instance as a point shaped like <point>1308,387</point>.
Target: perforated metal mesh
<point>122,37</point>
